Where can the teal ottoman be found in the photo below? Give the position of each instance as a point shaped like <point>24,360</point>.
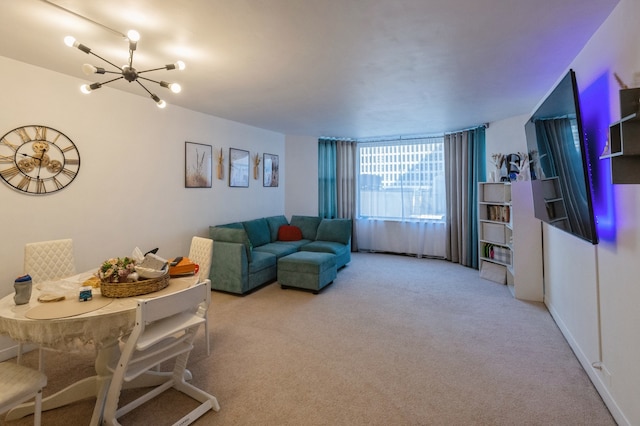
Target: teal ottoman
<point>307,270</point>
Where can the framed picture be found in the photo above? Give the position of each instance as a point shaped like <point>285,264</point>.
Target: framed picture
<point>238,167</point>
<point>270,172</point>
<point>197,165</point>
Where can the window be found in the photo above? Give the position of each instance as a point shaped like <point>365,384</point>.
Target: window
<point>402,179</point>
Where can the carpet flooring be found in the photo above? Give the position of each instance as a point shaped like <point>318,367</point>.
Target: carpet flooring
<point>395,340</point>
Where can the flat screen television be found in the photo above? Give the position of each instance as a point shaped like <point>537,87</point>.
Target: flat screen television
<point>558,163</point>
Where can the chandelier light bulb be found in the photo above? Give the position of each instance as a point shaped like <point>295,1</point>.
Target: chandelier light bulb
<point>85,89</point>
<point>133,35</point>
<point>180,65</point>
<point>70,41</point>
<point>175,87</point>
<point>89,69</point>
<point>161,104</point>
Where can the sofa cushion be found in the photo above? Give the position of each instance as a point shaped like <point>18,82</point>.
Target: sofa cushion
<point>262,260</point>
<point>231,235</point>
<point>289,233</point>
<point>279,249</point>
<point>341,251</point>
<point>258,231</point>
<point>337,230</point>
<point>275,222</point>
<point>324,247</point>
<point>307,224</point>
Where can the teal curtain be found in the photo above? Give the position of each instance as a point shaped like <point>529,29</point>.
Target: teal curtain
<point>327,171</point>
<point>477,165</point>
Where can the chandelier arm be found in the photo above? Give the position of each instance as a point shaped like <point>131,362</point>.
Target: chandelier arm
<point>143,86</point>
<point>110,63</point>
<point>154,69</point>
<point>148,79</point>
<point>112,80</point>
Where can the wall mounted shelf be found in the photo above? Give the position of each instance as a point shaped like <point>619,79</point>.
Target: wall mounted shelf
<point>623,148</point>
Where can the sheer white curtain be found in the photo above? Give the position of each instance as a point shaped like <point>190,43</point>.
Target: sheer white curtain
<point>420,238</point>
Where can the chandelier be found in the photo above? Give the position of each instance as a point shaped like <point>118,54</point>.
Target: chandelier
<point>127,72</point>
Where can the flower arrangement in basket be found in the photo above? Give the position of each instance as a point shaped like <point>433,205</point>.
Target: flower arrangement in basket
<point>117,270</point>
<point>118,278</point>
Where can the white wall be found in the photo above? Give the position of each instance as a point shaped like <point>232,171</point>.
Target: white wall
<point>593,292</point>
<point>301,192</point>
<point>130,189</point>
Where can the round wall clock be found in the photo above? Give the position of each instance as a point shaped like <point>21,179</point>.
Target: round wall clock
<point>38,159</point>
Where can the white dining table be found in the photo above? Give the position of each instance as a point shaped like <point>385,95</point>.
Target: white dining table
<point>98,327</point>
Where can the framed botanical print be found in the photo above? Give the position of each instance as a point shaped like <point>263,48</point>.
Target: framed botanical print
<point>238,168</point>
<point>270,172</point>
<point>197,165</point>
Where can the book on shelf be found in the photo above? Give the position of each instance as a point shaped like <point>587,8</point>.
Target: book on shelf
<point>498,213</point>
<point>497,253</point>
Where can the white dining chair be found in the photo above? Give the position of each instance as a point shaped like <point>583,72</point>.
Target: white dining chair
<point>44,261</point>
<point>164,330</point>
<point>200,253</point>
<point>49,260</point>
<point>19,385</point>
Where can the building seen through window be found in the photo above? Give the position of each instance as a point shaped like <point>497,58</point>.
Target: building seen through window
<point>402,180</point>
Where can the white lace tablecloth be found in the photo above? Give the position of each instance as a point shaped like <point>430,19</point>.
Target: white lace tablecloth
<point>90,330</point>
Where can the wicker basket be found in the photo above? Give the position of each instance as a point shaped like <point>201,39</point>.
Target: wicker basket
<point>135,288</point>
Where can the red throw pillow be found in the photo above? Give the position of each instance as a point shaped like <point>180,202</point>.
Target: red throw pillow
<point>289,233</point>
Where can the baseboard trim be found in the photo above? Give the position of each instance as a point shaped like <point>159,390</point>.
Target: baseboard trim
<point>594,375</point>
<point>9,352</point>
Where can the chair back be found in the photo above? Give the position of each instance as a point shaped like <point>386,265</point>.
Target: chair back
<point>49,260</point>
<point>201,252</point>
<point>164,330</point>
<point>189,300</point>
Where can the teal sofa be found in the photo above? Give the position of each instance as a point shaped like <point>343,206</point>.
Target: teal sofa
<point>245,254</point>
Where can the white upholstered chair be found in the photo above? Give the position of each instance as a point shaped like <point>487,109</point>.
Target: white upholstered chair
<point>164,329</point>
<point>48,260</point>
<point>19,384</point>
<point>200,252</point>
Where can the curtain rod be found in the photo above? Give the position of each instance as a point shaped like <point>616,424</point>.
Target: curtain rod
<point>485,125</point>
<point>402,138</point>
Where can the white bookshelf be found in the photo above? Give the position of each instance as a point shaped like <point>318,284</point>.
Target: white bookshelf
<point>510,248</point>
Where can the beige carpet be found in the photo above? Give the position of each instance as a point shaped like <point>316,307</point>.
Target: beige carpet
<point>393,341</point>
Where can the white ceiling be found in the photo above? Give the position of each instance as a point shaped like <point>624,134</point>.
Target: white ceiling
<point>349,68</point>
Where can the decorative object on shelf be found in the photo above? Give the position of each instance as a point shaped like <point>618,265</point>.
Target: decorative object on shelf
<point>127,72</point>
<point>197,165</point>
<point>238,168</point>
<point>621,83</point>
<point>270,172</point>
<point>535,169</point>
<point>256,164</point>
<point>38,159</point>
<point>220,170</point>
<point>498,161</point>
<point>510,167</point>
